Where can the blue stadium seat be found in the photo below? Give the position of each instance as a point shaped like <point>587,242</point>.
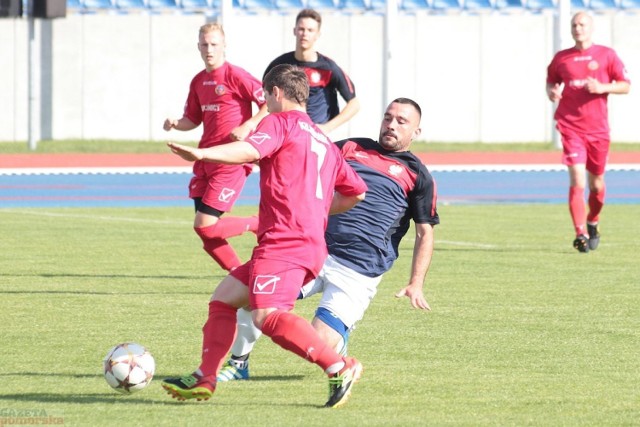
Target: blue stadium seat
<point>540,4</point>
<point>353,5</point>
<point>444,5</point>
<point>321,4</point>
<point>508,4</point>
<point>97,4</point>
<point>630,4</point>
<point>602,5</point>
<point>130,4</point>
<point>413,5</point>
<point>74,4</point>
<point>289,4</point>
<point>256,5</point>
<point>478,5</point>
<point>578,4</point>
<point>194,5</point>
<point>163,4</point>
<point>378,5</point>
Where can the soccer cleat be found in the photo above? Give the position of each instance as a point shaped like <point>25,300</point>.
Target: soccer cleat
<point>340,384</point>
<point>190,387</point>
<point>231,371</point>
<point>594,236</point>
<point>581,243</point>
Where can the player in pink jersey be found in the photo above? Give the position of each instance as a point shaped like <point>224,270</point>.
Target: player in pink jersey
<point>303,179</point>
<point>589,74</point>
<point>221,97</point>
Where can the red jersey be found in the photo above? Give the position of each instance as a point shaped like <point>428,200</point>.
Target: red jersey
<point>300,168</point>
<point>221,100</point>
<point>578,109</point>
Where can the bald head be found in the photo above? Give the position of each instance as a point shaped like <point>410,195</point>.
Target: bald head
<point>582,29</point>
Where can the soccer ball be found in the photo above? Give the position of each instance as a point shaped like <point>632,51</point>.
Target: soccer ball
<point>128,367</point>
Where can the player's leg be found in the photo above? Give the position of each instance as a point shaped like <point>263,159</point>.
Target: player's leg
<point>218,335</point>
<point>237,367</point>
<point>575,156</point>
<point>214,192</point>
<point>272,315</point>
<point>596,165</point>
<point>345,298</point>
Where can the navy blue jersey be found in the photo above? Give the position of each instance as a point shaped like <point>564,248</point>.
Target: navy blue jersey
<point>326,80</point>
<point>401,189</point>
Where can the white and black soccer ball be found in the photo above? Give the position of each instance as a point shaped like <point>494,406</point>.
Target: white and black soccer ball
<point>128,367</point>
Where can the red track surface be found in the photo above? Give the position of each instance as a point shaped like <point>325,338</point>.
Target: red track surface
<point>170,160</point>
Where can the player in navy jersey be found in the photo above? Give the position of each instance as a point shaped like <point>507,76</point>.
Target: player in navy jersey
<point>326,78</point>
<point>221,98</point>
<point>363,242</point>
<point>303,178</point>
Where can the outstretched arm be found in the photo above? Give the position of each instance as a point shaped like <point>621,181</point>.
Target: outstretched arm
<point>233,153</point>
<point>422,252</point>
<point>242,131</point>
<point>179,124</point>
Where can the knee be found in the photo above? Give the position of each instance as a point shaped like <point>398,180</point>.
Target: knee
<point>209,232</point>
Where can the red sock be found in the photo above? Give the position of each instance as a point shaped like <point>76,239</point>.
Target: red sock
<point>295,334</point>
<point>596,202</point>
<point>218,334</point>
<point>577,209</point>
<point>231,226</point>
<point>218,248</point>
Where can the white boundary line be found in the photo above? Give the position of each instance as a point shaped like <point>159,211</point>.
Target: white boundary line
<point>188,169</point>
<point>93,217</point>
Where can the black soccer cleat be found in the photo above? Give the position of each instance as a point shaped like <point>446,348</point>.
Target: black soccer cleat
<point>594,236</point>
<point>340,384</point>
<point>581,243</point>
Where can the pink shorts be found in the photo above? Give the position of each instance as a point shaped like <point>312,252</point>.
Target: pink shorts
<point>592,150</point>
<point>272,283</point>
<point>219,186</point>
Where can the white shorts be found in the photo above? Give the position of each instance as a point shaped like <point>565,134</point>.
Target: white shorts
<point>345,293</point>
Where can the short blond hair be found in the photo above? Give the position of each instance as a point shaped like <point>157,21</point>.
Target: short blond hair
<point>211,27</point>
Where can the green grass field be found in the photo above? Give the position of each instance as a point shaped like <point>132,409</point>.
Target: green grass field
<point>98,146</point>
<point>524,330</point>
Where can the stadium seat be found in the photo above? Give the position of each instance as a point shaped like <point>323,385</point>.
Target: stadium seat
<point>477,5</point>
<point>163,4</point>
<point>379,5</point>
<point>130,4</point>
<point>445,5</point>
<point>630,4</point>
<point>194,5</point>
<point>289,4</point>
<point>321,4</point>
<point>358,5</point>
<point>257,5</point>
<point>602,5</point>
<point>97,4</point>
<point>540,4</point>
<point>509,4</point>
<point>578,4</point>
<point>413,5</point>
<point>74,4</point>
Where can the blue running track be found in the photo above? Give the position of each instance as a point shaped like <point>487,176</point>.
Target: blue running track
<point>170,189</point>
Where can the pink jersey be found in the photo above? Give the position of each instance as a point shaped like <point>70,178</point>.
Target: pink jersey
<point>578,109</point>
<point>300,168</point>
<point>221,100</point>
